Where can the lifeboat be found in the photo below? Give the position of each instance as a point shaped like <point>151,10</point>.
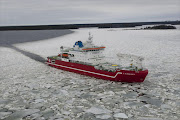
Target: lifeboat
<point>64,55</point>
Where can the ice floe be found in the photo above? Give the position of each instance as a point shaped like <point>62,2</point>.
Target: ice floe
<point>120,115</point>
<point>98,110</point>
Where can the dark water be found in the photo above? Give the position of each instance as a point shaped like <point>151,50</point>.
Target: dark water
<point>8,38</point>
<point>22,36</point>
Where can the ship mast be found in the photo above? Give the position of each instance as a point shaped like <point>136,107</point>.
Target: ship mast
<point>61,50</point>
<point>90,38</point>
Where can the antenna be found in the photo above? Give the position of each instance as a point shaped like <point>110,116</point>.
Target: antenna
<point>61,48</point>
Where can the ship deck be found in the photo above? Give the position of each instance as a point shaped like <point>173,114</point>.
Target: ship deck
<point>107,66</point>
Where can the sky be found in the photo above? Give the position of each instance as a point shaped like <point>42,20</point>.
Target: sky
<point>44,12</point>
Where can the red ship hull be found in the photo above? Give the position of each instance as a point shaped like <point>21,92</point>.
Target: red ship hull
<point>118,76</point>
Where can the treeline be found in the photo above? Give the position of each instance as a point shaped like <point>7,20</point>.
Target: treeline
<point>76,26</point>
<point>161,27</point>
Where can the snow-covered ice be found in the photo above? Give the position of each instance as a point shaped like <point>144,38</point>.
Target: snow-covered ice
<point>29,89</point>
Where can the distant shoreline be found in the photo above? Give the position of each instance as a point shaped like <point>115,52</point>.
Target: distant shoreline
<point>77,26</point>
<point>156,27</point>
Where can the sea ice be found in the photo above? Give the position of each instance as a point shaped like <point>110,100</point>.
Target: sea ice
<point>28,83</point>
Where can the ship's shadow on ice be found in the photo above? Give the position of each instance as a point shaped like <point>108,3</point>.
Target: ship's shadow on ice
<point>29,54</point>
<point>9,38</point>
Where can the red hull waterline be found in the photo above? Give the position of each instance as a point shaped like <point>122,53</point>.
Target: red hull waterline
<point>118,76</point>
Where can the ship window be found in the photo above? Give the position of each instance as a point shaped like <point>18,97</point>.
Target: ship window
<point>52,61</point>
<point>72,55</point>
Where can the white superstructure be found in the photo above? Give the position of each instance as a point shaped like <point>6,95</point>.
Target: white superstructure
<point>90,54</point>
<point>86,53</point>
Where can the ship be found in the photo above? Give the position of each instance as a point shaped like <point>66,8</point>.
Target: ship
<point>88,59</point>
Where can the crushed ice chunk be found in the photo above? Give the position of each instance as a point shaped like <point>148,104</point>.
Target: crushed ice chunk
<point>152,101</point>
<point>32,86</point>
<point>103,116</point>
<point>15,77</point>
<point>65,112</point>
<point>48,86</point>
<point>39,100</point>
<point>88,116</point>
<point>120,92</point>
<point>130,95</point>
<point>64,92</point>
<point>47,113</point>
<point>149,118</point>
<point>22,113</point>
<point>124,85</point>
<point>109,93</point>
<point>4,101</point>
<point>164,106</point>
<point>178,103</point>
<point>97,110</point>
<point>42,77</point>
<point>35,115</point>
<point>45,94</point>
<point>144,109</point>
<point>3,114</point>
<point>120,115</point>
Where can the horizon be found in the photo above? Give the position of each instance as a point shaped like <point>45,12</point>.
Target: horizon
<point>88,23</point>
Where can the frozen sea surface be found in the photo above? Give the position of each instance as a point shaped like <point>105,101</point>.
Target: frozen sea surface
<point>29,89</point>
